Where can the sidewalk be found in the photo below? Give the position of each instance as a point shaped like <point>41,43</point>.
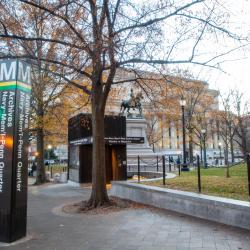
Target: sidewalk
<point>131,229</point>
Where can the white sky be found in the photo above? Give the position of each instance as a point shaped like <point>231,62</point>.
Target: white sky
<point>235,65</point>
<point>238,70</point>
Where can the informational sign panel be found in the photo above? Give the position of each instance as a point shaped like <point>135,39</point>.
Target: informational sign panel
<point>109,140</point>
<point>15,87</point>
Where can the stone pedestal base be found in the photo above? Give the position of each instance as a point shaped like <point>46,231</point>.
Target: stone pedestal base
<point>137,128</point>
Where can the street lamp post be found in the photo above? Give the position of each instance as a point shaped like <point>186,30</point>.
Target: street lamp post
<point>184,165</point>
<point>49,148</point>
<point>203,131</point>
<point>201,149</point>
<point>220,144</point>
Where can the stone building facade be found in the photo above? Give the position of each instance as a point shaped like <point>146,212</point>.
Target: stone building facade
<point>168,120</point>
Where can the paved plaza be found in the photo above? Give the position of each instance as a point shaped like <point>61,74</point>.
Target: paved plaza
<point>133,228</point>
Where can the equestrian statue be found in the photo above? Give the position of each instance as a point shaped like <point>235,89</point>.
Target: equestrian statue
<point>133,102</point>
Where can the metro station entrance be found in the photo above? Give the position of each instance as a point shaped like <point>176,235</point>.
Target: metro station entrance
<point>80,148</point>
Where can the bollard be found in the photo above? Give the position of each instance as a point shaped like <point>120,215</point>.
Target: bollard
<point>51,174</point>
<point>138,174</point>
<point>179,169</point>
<point>164,170</point>
<point>199,173</point>
<point>169,160</point>
<point>248,174</point>
<point>157,163</point>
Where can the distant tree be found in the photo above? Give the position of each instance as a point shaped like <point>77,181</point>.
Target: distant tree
<point>200,121</point>
<point>154,134</point>
<point>198,103</point>
<point>225,121</point>
<point>240,121</point>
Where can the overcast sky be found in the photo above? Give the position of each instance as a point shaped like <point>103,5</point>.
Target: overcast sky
<point>238,70</point>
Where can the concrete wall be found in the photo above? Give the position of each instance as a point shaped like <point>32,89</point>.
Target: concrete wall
<point>148,174</point>
<point>226,211</point>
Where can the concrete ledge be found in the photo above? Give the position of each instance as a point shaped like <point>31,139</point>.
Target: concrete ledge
<point>227,211</point>
<point>146,174</point>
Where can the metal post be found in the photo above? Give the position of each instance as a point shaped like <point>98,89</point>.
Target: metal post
<point>199,173</point>
<point>184,166</point>
<point>51,171</point>
<point>220,156</point>
<point>205,153</point>
<point>248,174</point>
<point>68,164</point>
<point>201,149</point>
<point>157,163</point>
<point>164,170</point>
<point>49,155</point>
<point>138,174</point>
<point>49,162</point>
<point>179,165</point>
<point>169,163</point>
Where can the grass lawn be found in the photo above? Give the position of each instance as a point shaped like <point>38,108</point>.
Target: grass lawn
<point>213,182</point>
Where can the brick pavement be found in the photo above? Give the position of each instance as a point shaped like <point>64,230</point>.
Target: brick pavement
<point>130,229</point>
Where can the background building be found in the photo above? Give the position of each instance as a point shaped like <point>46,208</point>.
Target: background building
<point>162,110</point>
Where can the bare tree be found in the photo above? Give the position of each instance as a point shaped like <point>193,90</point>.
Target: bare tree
<point>225,121</point>
<point>153,133</point>
<point>200,122</point>
<point>194,93</point>
<point>98,37</point>
<point>240,121</point>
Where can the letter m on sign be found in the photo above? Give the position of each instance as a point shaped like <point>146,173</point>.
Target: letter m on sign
<point>24,73</point>
<point>8,70</point>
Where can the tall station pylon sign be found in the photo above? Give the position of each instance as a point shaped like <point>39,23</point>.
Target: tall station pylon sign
<point>15,88</point>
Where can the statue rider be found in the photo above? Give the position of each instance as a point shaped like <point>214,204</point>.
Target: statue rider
<point>133,102</point>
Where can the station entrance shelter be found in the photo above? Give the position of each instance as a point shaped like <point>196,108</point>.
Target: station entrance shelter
<point>80,148</point>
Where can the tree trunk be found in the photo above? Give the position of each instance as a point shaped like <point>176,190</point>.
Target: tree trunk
<point>99,195</point>
<point>232,149</point>
<point>40,177</point>
<point>227,162</point>
<point>191,148</point>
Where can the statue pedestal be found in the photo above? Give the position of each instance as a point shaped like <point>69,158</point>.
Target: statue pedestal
<point>136,128</point>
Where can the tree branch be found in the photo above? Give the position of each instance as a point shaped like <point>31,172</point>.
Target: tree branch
<point>156,20</point>
<point>65,19</point>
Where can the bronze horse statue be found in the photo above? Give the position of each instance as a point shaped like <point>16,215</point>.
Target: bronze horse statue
<point>133,102</point>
